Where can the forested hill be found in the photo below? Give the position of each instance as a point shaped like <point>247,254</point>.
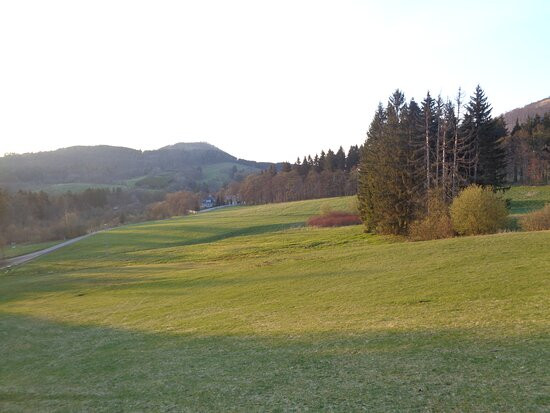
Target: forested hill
<point>531,110</point>
<point>179,166</point>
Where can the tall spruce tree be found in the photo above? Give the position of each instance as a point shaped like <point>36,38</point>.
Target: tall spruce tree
<point>352,160</point>
<point>493,160</point>
<point>484,136</point>
<point>330,161</point>
<point>340,159</point>
<point>367,180</point>
<point>429,131</point>
<point>412,120</point>
<point>386,187</point>
<point>317,163</point>
<point>322,160</point>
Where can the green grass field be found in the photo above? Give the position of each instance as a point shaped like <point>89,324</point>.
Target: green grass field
<point>216,175</point>
<point>76,187</point>
<point>22,249</point>
<point>244,309</point>
<point>527,198</point>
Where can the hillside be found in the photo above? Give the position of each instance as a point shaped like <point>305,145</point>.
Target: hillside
<point>243,309</point>
<point>179,166</point>
<point>521,114</point>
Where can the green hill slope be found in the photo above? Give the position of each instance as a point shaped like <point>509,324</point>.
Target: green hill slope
<point>243,309</point>
<point>77,167</point>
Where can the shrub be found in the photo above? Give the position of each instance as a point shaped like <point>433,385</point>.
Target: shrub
<point>334,219</point>
<point>436,224</point>
<point>536,220</point>
<point>477,210</point>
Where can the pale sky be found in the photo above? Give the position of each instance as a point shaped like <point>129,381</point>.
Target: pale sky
<point>262,80</point>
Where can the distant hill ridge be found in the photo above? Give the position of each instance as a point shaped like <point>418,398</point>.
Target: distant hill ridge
<point>191,146</point>
<point>183,164</point>
<point>531,110</point>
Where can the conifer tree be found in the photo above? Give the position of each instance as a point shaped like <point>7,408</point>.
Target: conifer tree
<point>286,167</point>
<point>297,165</point>
<point>386,199</point>
<point>516,128</point>
<point>413,126</point>
<point>367,182</point>
<point>340,159</point>
<point>493,154</point>
<point>484,135</point>
<point>322,160</point>
<point>352,160</point>
<point>304,170</point>
<point>330,161</point>
<point>317,163</point>
<point>429,130</point>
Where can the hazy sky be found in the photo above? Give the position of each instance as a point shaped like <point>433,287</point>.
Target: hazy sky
<point>263,80</point>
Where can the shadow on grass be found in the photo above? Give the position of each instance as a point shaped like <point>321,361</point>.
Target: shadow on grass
<point>525,206</point>
<point>53,366</point>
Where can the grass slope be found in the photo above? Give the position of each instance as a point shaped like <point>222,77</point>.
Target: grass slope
<point>527,198</point>
<point>22,249</point>
<point>216,175</point>
<point>243,309</point>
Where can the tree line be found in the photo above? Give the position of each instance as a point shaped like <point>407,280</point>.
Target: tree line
<point>416,150</point>
<point>27,216</point>
<point>528,147</point>
<point>329,174</point>
<point>435,144</point>
<point>174,204</point>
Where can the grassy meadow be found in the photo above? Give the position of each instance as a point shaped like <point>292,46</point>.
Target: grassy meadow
<point>22,249</point>
<point>245,309</point>
<point>75,187</point>
<point>217,174</point>
<point>525,199</point>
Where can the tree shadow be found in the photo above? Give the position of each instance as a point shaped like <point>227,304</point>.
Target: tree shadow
<point>525,206</point>
<point>48,365</point>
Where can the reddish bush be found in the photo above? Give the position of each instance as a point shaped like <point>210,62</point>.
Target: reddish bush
<point>334,219</point>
